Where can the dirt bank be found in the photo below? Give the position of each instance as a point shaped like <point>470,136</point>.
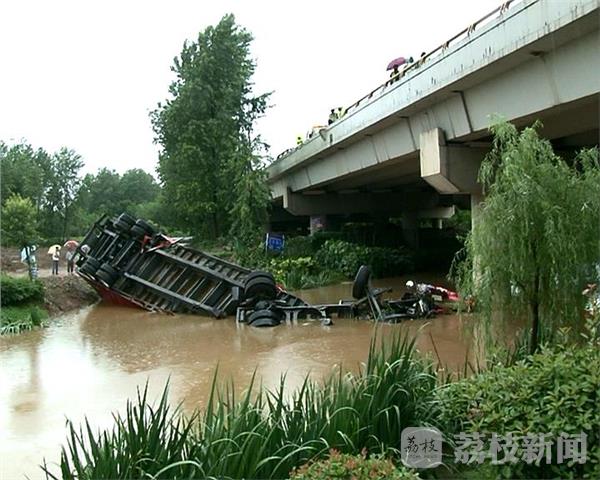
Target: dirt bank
<point>62,293</point>
<point>65,293</point>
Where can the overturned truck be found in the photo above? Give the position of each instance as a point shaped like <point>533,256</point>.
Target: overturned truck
<point>129,262</point>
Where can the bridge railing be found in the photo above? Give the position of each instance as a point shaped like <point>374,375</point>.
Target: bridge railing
<point>414,66</point>
<point>441,49</point>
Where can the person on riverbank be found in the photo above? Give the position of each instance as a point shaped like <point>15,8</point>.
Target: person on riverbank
<point>55,260</point>
<point>70,257</point>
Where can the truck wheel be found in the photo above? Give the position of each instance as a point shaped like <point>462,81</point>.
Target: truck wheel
<point>257,274</point>
<point>148,229</point>
<point>90,266</point>
<point>260,288</point>
<point>264,318</point>
<point>137,232</point>
<point>361,282</point>
<point>107,274</point>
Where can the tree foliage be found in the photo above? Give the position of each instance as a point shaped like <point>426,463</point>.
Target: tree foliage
<point>19,222</point>
<point>108,192</point>
<point>66,204</point>
<point>209,160</point>
<point>63,186</point>
<point>25,172</point>
<point>536,241</point>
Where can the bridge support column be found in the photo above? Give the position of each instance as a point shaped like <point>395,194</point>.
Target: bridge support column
<point>450,169</point>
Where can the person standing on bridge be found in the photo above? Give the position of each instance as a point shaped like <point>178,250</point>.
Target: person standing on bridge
<point>332,117</point>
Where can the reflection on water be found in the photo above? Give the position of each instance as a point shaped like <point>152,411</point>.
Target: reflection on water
<point>89,363</point>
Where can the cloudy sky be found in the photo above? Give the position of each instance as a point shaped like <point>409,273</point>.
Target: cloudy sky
<point>85,74</point>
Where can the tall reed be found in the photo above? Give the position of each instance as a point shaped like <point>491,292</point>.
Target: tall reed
<point>265,434</point>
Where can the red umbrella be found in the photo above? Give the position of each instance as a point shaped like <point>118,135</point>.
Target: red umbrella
<point>71,244</point>
<point>396,63</point>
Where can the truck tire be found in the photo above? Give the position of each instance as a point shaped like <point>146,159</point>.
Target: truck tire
<point>137,232</point>
<point>107,274</point>
<point>264,318</point>
<point>90,266</point>
<point>149,229</point>
<point>361,282</point>
<point>260,288</point>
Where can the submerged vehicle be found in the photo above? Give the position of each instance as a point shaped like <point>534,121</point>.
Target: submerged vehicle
<point>129,262</point>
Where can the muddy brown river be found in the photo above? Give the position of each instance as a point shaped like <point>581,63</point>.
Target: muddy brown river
<point>90,362</point>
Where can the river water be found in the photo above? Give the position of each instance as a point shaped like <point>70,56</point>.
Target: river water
<point>90,362</point>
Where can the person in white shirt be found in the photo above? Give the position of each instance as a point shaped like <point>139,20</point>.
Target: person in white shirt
<point>55,260</point>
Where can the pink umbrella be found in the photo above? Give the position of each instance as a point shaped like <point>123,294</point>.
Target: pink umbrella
<point>71,244</point>
<point>396,63</point>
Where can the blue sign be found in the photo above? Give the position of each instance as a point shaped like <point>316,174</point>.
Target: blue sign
<point>275,242</point>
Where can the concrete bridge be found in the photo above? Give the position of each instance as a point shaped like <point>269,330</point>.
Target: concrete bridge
<point>412,147</point>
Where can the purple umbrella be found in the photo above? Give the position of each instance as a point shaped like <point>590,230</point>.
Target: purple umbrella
<point>396,63</point>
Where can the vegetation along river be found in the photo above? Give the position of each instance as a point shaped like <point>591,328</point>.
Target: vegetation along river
<point>89,363</point>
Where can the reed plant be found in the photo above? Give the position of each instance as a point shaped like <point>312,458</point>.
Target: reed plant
<point>265,434</point>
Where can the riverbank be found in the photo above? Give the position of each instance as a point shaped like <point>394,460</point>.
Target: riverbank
<point>66,293</point>
<point>62,293</point>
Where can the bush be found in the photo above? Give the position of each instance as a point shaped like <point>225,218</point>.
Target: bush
<point>356,467</point>
<point>554,391</point>
<point>347,257</point>
<point>14,291</point>
<point>300,246</point>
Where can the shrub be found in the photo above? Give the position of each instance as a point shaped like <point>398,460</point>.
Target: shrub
<point>356,467</point>
<point>14,291</point>
<point>554,391</point>
<point>300,246</point>
<point>347,257</point>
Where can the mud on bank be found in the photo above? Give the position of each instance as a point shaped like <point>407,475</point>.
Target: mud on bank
<point>65,293</point>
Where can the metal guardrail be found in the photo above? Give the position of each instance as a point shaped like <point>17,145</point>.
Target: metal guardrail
<point>414,66</point>
<point>497,12</point>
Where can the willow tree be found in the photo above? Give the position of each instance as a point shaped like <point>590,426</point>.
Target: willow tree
<point>536,241</point>
<point>210,154</point>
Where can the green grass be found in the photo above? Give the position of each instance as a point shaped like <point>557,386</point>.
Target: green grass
<point>263,434</point>
<point>17,319</point>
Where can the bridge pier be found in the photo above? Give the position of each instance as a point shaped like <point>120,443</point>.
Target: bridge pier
<point>451,169</point>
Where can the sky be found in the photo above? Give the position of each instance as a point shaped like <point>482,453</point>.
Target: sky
<point>86,74</point>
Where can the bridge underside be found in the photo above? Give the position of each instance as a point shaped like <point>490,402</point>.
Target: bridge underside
<point>401,184</point>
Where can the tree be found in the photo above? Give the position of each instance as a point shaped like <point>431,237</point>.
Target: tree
<point>535,243</point>
<point>64,185</point>
<point>137,187</point>
<point>19,223</point>
<point>205,131</point>
<point>25,172</point>
<point>100,193</point>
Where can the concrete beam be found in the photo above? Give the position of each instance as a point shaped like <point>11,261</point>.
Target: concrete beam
<point>342,204</point>
<point>449,169</point>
